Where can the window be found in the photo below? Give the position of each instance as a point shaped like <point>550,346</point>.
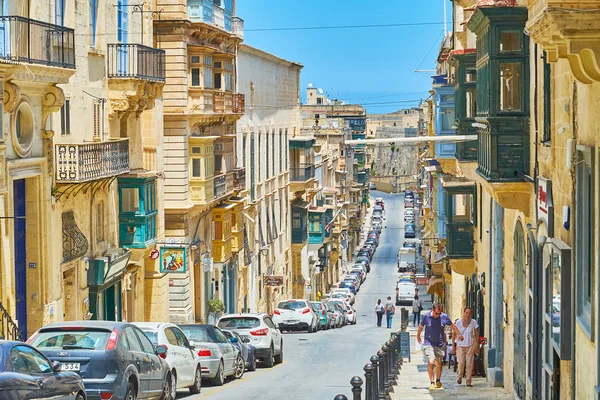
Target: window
<point>274,152</point>
<point>315,223</point>
<point>97,111</point>
<point>287,147</point>
<point>132,340</point>
<point>510,41</point>
<point>448,119</point>
<point>227,77</point>
<point>259,141</point>
<point>244,140</point>
<point>150,199</point>
<point>208,78</point>
<point>181,339</point>
<point>195,77</point>
<point>65,118</point>
<point>100,221</point>
<point>59,12</point>
<point>296,220</point>
<point>280,150</point>
<point>510,87</point>
<point>471,75</point>
<point>196,167</point>
<point>547,100</point>
<point>144,341</point>
<point>130,200</point>
<point>319,100</point>
<point>217,80</point>
<point>171,338</point>
<point>29,361</point>
<point>267,153</point>
<point>471,103</point>
<point>93,20</point>
<point>584,252</point>
<point>195,60</point>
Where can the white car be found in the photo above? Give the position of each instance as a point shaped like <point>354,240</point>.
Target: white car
<point>406,293</point>
<point>261,331</point>
<point>341,296</point>
<point>350,314</point>
<point>186,371</point>
<point>349,295</point>
<point>295,315</point>
<point>353,278</point>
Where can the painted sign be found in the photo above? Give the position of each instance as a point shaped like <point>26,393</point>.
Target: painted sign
<point>173,259</point>
<point>544,204</point>
<point>273,280</point>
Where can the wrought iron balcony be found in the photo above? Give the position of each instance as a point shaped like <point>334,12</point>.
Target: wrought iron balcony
<point>135,61</point>
<point>237,25</point>
<point>78,163</point>
<point>225,102</point>
<point>302,174</point>
<point>36,42</point>
<point>220,185</point>
<point>239,178</point>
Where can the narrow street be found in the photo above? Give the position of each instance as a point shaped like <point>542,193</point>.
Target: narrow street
<point>320,365</point>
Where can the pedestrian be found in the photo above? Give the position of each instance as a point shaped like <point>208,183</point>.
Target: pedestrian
<point>379,312</point>
<point>390,309</point>
<point>466,348</point>
<point>417,307</point>
<point>434,323</point>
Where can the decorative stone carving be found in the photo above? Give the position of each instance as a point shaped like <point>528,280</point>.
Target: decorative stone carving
<point>12,97</point>
<point>134,96</point>
<point>52,102</point>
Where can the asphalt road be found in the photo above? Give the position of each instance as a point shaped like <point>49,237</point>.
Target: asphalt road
<point>320,365</point>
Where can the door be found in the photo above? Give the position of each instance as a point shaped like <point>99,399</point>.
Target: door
<point>227,350</point>
<point>519,325</point>
<point>140,360</point>
<point>112,302</point>
<point>123,63</point>
<point>534,327</point>
<point>20,243</point>
<point>187,357</point>
<point>157,373</point>
<point>276,336</point>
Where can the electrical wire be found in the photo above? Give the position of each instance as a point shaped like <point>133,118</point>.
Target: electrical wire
<point>309,28</point>
<point>436,43</point>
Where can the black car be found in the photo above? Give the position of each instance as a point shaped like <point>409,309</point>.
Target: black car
<point>114,358</point>
<point>25,373</point>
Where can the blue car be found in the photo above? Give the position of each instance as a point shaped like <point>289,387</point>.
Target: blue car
<point>25,373</point>
<point>245,348</point>
<point>349,285</point>
<point>116,360</point>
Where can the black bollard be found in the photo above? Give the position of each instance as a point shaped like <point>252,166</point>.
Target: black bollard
<point>392,367</point>
<point>399,360</point>
<point>340,397</point>
<point>375,391</point>
<point>368,368</point>
<point>356,383</point>
<point>382,393</point>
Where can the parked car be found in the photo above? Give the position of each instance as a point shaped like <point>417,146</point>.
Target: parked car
<point>353,278</point>
<point>26,373</point>
<point>349,285</point>
<point>341,309</point>
<point>295,315</point>
<point>360,273</point>
<point>337,314</point>
<point>111,357</point>
<point>244,347</point>
<point>372,186</point>
<point>261,331</point>
<point>186,371</point>
<point>219,356</point>
<point>321,312</point>
<point>364,260</point>
<point>406,292</point>
<point>409,231</point>
<point>349,295</point>
<point>350,313</point>
<point>364,253</point>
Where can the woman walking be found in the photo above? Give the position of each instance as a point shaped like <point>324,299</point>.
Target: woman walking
<point>467,347</point>
<point>417,307</point>
<point>379,312</point>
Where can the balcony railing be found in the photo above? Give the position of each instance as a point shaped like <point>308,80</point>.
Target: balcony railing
<point>77,163</point>
<point>8,328</point>
<point>207,11</point>
<point>225,102</point>
<point>302,174</point>
<point>239,178</point>
<point>36,42</point>
<point>237,25</point>
<point>136,61</point>
<point>220,185</point>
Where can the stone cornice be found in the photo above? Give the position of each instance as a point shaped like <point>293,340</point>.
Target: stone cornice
<point>570,34</point>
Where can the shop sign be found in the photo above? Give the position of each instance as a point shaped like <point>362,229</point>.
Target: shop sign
<point>173,259</point>
<point>273,280</point>
<point>544,203</point>
<point>207,264</point>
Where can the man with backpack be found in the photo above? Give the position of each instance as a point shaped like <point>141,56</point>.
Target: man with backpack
<point>390,309</point>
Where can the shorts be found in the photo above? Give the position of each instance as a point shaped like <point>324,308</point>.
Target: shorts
<point>434,353</point>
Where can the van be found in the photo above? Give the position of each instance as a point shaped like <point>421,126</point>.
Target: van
<point>406,293</point>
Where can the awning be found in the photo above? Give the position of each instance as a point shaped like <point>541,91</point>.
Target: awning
<point>437,269</point>
<point>300,204</point>
<point>331,190</point>
<point>436,285</point>
<point>106,271</point>
<point>334,256</point>
<point>315,209</point>
<point>437,257</point>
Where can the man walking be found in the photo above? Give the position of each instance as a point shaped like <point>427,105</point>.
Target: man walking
<point>390,309</point>
<point>434,323</point>
<point>466,348</point>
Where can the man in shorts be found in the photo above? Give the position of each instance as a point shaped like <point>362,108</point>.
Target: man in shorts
<point>434,323</point>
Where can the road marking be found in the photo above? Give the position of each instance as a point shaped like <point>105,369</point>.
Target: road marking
<point>238,381</point>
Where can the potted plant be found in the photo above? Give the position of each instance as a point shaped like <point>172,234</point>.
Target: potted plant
<point>215,310</point>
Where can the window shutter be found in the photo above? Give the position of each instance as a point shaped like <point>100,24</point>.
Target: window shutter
<point>269,236</point>
<point>97,120</point>
<point>247,254</point>
<point>260,231</point>
<point>275,233</point>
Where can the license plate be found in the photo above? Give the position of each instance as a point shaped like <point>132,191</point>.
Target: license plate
<point>69,366</point>
<point>291,321</point>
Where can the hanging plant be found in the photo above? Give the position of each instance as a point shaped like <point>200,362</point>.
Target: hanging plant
<point>215,305</point>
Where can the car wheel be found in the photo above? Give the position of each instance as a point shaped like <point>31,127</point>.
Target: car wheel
<point>195,388</point>
<point>80,396</point>
<point>167,388</point>
<point>219,378</point>
<point>279,357</point>
<point>239,367</point>
<point>173,386</point>
<point>269,360</point>
<point>310,329</point>
<point>130,394</point>
<point>252,366</point>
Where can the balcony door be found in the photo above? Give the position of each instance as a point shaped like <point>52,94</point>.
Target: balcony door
<point>4,30</point>
<point>123,37</point>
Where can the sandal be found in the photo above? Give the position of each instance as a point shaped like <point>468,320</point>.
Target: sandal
<point>459,381</point>
<point>469,385</point>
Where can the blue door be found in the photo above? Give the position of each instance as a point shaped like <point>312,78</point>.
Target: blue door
<point>4,30</point>
<point>20,255</point>
<point>122,36</point>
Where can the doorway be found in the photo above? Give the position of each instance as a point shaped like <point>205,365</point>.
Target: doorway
<point>520,305</point>
<point>20,249</point>
<point>70,294</point>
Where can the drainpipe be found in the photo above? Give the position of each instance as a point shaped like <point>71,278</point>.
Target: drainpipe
<point>573,228</point>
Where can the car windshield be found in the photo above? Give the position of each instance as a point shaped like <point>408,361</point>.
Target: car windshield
<point>291,305</point>
<point>72,339</point>
<point>152,335</point>
<point>238,323</point>
<point>199,333</point>
<point>338,295</point>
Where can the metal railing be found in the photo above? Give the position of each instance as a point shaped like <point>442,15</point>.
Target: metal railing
<point>76,163</point>
<point>237,27</point>
<point>136,61</point>
<point>36,42</point>
<point>302,174</point>
<point>8,328</point>
<point>220,185</point>
<point>381,373</point>
<point>227,102</point>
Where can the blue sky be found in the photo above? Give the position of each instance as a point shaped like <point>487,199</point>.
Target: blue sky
<point>366,65</point>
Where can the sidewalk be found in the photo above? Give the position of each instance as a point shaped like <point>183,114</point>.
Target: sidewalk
<point>413,381</point>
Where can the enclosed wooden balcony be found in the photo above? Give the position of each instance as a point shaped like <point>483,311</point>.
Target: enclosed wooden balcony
<point>461,213</point>
<point>222,242</point>
<point>86,162</point>
<point>214,105</point>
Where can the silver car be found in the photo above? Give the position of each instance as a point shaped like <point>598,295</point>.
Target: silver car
<point>219,357</point>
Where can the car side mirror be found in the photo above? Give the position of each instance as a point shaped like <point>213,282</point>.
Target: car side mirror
<point>161,351</point>
<point>233,340</point>
<point>246,340</point>
<point>192,343</point>
<point>56,366</point>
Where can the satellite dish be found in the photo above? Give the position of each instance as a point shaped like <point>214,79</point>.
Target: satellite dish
<point>310,85</point>
<point>320,91</point>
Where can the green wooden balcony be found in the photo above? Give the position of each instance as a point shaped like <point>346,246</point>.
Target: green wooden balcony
<point>461,217</point>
